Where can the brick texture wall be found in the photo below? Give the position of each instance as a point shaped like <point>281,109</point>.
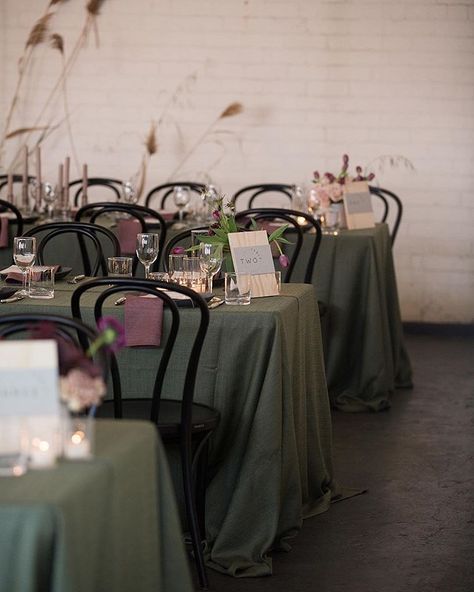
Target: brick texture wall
<point>317,79</point>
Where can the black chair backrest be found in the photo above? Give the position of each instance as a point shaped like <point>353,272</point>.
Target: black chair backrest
<point>115,285</point>
<point>162,192</point>
<point>177,239</point>
<point>114,185</point>
<point>251,192</point>
<point>16,179</point>
<point>88,235</point>
<point>142,214</point>
<point>6,206</point>
<point>295,229</point>
<point>385,195</point>
<point>72,331</point>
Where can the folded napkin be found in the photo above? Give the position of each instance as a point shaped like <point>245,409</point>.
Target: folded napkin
<point>3,232</point>
<point>127,230</point>
<point>166,215</point>
<point>14,275</point>
<point>143,321</point>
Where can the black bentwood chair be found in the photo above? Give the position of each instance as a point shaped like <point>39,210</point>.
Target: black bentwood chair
<point>162,192</point>
<point>112,187</point>
<point>180,421</point>
<point>148,219</point>
<point>6,206</point>
<point>385,195</point>
<point>252,192</point>
<point>294,233</point>
<point>91,237</point>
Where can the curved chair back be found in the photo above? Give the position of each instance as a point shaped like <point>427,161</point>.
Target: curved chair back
<point>177,239</point>
<point>295,229</point>
<point>116,285</point>
<point>90,236</point>
<point>251,192</point>
<point>149,220</point>
<point>16,179</point>
<point>66,329</point>
<point>111,185</point>
<point>385,195</point>
<point>162,192</point>
<point>7,206</point>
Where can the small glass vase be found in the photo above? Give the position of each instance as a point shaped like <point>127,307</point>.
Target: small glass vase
<point>78,436</point>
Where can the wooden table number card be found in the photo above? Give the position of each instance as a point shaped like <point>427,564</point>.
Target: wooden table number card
<point>251,253</point>
<point>358,205</point>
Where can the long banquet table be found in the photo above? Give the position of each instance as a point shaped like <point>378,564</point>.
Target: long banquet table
<point>366,359</point>
<point>110,523</point>
<point>262,367</point>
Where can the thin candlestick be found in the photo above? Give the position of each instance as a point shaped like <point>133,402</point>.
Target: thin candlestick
<point>10,188</point>
<point>24,187</point>
<point>60,186</point>
<point>39,184</point>
<point>66,181</point>
<point>84,185</point>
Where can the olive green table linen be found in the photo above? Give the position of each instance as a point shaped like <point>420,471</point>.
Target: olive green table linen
<point>270,459</point>
<point>109,523</point>
<point>366,359</point>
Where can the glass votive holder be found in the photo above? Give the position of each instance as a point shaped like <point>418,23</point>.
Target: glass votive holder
<point>13,446</point>
<point>41,281</point>
<point>160,276</point>
<point>78,437</point>
<point>120,266</point>
<point>194,277</point>
<point>44,441</point>
<point>237,288</point>
<point>176,268</point>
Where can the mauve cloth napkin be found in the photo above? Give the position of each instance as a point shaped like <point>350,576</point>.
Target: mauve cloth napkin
<point>16,277</point>
<point>3,232</point>
<point>143,320</point>
<point>127,231</point>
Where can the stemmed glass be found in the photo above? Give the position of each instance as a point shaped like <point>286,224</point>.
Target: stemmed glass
<point>181,199</point>
<point>129,193</point>
<point>49,197</point>
<point>147,250</point>
<point>210,261</point>
<point>24,254</point>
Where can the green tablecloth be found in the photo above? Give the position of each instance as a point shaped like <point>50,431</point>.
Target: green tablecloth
<point>365,355</point>
<point>262,367</point>
<point>106,524</point>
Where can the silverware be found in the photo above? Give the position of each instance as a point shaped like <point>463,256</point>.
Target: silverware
<point>120,301</point>
<point>76,279</point>
<point>215,302</point>
<point>13,298</point>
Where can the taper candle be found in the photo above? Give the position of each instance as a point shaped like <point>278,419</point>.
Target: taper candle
<point>39,184</point>
<point>60,186</point>
<point>66,181</point>
<point>10,188</point>
<point>24,186</point>
<point>84,185</point>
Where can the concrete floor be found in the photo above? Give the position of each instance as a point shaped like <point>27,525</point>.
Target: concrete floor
<point>414,530</point>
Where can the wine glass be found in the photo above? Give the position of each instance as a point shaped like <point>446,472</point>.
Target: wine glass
<point>49,197</point>
<point>147,250</point>
<point>24,254</point>
<point>181,199</point>
<point>210,260</point>
<point>129,193</point>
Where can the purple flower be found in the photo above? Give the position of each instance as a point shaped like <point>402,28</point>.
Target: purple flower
<point>216,215</point>
<point>178,251</point>
<point>284,261</point>
<point>113,333</point>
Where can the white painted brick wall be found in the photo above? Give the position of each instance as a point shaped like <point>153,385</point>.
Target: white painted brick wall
<point>317,78</point>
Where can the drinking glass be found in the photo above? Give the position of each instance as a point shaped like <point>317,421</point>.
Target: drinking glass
<point>181,199</point>
<point>194,277</point>
<point>210,260</point>
<point>176,268</point>
<point>147,250</point>
<point>120,266</point>
<point>24,253</point>
<point>129,193</point>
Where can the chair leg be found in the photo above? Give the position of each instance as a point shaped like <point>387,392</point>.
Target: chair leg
<point>191,515</point>
<point>201,484</point>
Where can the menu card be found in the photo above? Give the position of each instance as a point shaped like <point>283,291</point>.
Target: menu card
<point>358,205</point>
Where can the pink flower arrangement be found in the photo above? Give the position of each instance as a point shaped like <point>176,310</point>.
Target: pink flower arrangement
<point>330,188</point>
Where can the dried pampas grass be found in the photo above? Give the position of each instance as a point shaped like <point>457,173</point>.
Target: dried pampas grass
<point>93,7</point>
<point>57,42</point>
<point>233,109</point>
<point>150,143</point>
<point>38,32</point>
<point>25,130</point>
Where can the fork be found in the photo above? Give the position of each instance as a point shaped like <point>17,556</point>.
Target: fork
<point>76,279</point>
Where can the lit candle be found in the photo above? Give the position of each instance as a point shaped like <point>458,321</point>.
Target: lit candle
<point>39,185</point>
<point>60,185</point>
<point>84,185</point>
<point>10,188</point>
<point>42,454</point>
<point>78,445</point>
<point>66,181</point>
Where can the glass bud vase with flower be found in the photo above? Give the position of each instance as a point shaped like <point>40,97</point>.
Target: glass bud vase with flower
<point>82,382</point>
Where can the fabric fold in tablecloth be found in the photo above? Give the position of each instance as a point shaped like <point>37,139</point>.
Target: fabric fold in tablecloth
<point>143,321</point>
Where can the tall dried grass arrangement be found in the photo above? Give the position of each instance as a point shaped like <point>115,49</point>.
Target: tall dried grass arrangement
<point>150,143</point>
<point>57,42</point>
<point>93,7</point>
<point>234,108</point>
<point>38,32</point>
